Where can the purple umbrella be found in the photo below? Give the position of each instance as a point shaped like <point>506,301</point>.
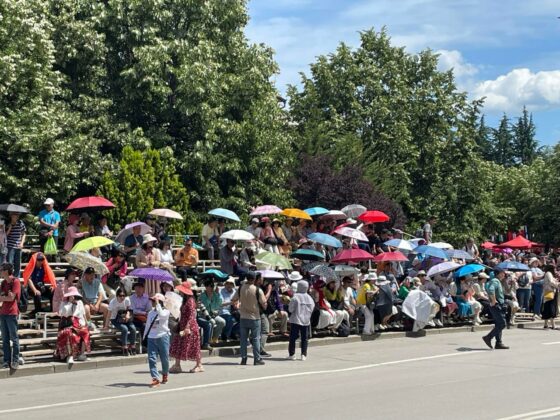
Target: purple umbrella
<point>271,274</point>
<point>124,233</point>
<point>151,273</point>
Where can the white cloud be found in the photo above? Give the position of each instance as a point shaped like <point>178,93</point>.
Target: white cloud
<point>519,87</point>
<point>453,59</point>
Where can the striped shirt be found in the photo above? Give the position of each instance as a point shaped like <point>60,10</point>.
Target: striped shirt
<point>16,233</point>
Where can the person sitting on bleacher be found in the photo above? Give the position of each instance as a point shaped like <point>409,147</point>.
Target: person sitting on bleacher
<point>120,309</point>
<point>62,288</point>
<point>186,260</point>
<point>73,335</point>
<point>118,268</point>
<point>148,256</point>
<point>94,297</point>
<point>39,280</point>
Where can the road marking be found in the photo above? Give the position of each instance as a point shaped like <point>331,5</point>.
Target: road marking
<point>235,382</point>
<point>551,343</point>
<point>540,414</point>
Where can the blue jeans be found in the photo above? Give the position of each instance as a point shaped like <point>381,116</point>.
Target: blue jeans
<point>295,331</point>
<point>126,329</point>
<point>9,329</point>
<point>538,292</point>
<point>231,327</point>
<point>158,347</point>
<point>14,258</point>
<point>499,322</point>
<point>523,298</point>
<point>206,330</point>
<point>252,328</point>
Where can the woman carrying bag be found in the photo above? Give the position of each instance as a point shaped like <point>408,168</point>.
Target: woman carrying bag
<point>550,294</point>
<point>73,335</point>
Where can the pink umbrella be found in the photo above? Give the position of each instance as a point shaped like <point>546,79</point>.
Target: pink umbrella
<point>264,210</point>
<point>351,233</point>
<point>390,256</point>
<point>352,255</point>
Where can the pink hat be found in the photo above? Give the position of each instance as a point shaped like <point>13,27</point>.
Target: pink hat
<point>72,291</point>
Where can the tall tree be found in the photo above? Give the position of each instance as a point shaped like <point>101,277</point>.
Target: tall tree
<point>502,143</point>
<point>483,139</point>
<point>524,143</point>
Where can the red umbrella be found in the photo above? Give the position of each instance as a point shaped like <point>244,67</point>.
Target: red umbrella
<point>390,256</point>
<point>91,204</point>
<point>488,245</point>
<point>518,242</point>
<point>373,216</point>
<point>352,255</point>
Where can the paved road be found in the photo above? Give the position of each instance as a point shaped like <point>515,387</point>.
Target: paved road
<point>440,376</point>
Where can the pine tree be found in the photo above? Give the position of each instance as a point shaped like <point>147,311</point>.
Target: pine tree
<point>483,139</point>
<point>525,144</point>
<point>503,151</point>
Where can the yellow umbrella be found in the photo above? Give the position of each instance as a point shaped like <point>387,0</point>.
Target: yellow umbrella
<point>296,214</point>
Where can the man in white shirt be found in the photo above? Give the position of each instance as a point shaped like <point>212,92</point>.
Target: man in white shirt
<point>157,332</point>
<point>471,248</point>
<point>210,237</point>
<point>427,229</point>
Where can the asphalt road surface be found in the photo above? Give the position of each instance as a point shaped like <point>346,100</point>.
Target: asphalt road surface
<point>446,376</point>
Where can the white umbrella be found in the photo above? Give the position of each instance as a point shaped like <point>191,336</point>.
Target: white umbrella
<point>401,244</point>
<point>83,260</point>
<point>354,210</point>
<point>444,267</point>
<point>238,235</point>
<point>351,233</point>
<point>124,233</point>
<point>345,270</point>
<point>168,214</point>
<point>334,215</point>
<point>441,245</point>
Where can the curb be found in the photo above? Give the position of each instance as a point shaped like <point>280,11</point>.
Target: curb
<point>103,362</point>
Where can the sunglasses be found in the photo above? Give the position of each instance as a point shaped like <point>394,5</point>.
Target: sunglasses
<point>120,295</point>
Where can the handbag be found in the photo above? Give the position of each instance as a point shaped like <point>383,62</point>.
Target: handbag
<point>65,322</point>
<point>548,296</point>
<point>121,315</point>
<point>173,325</point>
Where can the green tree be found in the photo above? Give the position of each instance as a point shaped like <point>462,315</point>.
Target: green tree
<point>502,143</point>
<point>483,139</point>
<point>524,143</point>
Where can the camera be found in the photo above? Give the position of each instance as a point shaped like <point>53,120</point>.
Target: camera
<point>203,313</point>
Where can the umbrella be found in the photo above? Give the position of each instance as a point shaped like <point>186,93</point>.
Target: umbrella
<point>488,245</point>
<point>430,251</point>
<point>13,208</point>
<point>264,210</point>
<point>459,254</point>
<point>352,255</point>
<point>273,260</point>
<point>152,273</point>
<point>333,215</point>
<point>444,267</point>
<point>238,235</point>
<point>307,255</point>
<point>83,260</point>
<point>390,256</point>
<point>513,266</point>
<point>353,210</point>
<point>311,265</point>
<point>345,270</point>
<point>373,216</point>
<point>124,233</point>
<point>324,271</point>
<point>351,233</point>
<point>400,244</point>
<point>168,214</point>
<point>225,213</point>
<point>90,203</point>
<point>271,274</point>
<point>441,245</point>
<point>498,250</point>
<point>416,241</point>
<point>469,269</point>
<point>325,239</point>
<point>316,211</point>
<point>216,274</point>
<point>518,242</point>
<point>296,213</point>
<point>93,242</point>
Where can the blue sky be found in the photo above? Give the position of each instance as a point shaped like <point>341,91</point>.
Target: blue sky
<point>505,50</point>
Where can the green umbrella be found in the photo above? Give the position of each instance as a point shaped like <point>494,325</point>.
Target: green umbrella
<point>93,242</point>
<point>273,260</point>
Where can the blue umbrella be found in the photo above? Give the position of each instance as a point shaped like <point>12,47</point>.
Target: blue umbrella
<point>512,266</point>
<point>431,251</point>
<point>217,274</point>
<point>325,239</point>
<point>459,254</point>
<point>307,255</point>
<point>316,211</point>
<point>469,269</point>
<point>225,213</point>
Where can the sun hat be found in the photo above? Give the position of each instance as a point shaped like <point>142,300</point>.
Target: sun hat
<point>185,288</point>
<point>483,275</point>
<point>230,280</point>
<point>49,202</point>
<point>532,260</point>
<point>254,220</point>
<point>158,296</point>
<point>72,291</point>
<point>381,279</point>
<point>295,276</point>
<point>421,273</point>
<point>276,221</point>
<point>148,238</point>
<point>265,219</point>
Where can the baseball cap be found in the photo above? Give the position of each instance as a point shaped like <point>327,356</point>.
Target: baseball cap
<point>254,220</point>
<point>49,202</point>
<point>89,270</point>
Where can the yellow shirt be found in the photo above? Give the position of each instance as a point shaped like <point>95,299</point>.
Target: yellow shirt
<point>185,258</point>
<point>362,293</point>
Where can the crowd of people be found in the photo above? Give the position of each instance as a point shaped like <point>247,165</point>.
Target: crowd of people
<point>197,310</point>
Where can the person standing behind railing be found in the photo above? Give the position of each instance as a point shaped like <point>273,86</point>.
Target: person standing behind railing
<point>15,238</point>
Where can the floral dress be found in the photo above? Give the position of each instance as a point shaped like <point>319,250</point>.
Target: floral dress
<point>187,347</point>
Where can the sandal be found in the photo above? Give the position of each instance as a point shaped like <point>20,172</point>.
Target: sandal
<point>175,369</point>
<point>196,369</point>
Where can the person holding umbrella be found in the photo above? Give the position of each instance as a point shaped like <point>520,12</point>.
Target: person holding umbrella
<point>73,232</point>
<point>497,309</point>
<point>157,335</point>
<point>15,240</point>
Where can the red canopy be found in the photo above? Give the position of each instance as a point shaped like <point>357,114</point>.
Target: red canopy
<point>90,203</point>
<point>518,242</point>
<point>373,216</point>
<point>352,255</point>
<point>390,256</point>
<point>488,245</point>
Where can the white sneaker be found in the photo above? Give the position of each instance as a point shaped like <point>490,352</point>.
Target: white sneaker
<point>21,361</point>
<point>303,358</point>
<point>70,360</point>
<point>82,357</point>
<point>438,323</point>
<point>292,357</point>
<point>431,323</point>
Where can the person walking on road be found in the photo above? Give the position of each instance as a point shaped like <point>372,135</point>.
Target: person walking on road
<point>157,333</point>
<point>497,310</point>
<point>301,308</point>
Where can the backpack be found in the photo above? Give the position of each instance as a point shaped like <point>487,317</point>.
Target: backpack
<point>344,329</point>
<point>523,281</point>
<point>23,299</point>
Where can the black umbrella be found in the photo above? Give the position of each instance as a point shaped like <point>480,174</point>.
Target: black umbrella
<point>13,208</point>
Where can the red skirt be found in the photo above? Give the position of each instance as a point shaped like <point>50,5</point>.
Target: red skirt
<point>70,339</point>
